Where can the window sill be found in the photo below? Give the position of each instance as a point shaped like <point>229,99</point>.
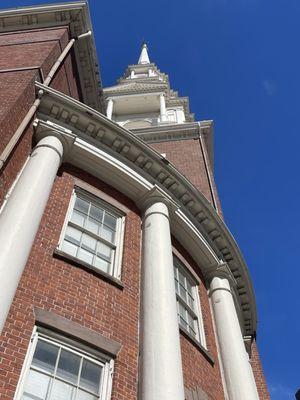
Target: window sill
<point>197,344</point>
<point>57,253</point>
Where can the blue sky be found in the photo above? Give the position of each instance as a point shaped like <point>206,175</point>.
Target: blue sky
<point>239,62</point>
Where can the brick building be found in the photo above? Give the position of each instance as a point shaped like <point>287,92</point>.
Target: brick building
<point>118,277</point>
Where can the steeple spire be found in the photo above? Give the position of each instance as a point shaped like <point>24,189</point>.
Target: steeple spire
<point>144,58</point>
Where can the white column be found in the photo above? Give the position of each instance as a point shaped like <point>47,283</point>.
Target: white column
<point>161,366</point>
<point>109,109</point>
<point>21,216</point>
<point>237,369</point>
<point>163,111</point>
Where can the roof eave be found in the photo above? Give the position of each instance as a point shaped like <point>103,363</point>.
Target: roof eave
<point>76,16</point>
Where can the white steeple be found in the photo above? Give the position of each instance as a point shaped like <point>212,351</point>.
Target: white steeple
<point>144,58</point>
<point>143,98</point>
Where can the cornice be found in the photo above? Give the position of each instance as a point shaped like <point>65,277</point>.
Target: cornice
<point>195,223</point>
<point>168,132</point>
<point>76,16</point>
<point>134,87</point>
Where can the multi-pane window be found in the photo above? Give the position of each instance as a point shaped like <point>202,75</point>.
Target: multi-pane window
<point>94,233</point>
<point>60,372</point>
<point>188,306</point>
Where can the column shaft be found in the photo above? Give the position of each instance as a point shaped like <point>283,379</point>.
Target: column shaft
<point>237,369</point>
<point>109,109</point>
<point>161,366</point>
<point>163,110</point>
<point>21,216</point>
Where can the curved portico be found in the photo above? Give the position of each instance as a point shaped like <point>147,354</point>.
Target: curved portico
<point>98,145</point>
<point>102,146</point>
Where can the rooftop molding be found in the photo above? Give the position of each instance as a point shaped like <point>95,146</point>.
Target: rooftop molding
<point>76,16</point>
<point>194,218</point>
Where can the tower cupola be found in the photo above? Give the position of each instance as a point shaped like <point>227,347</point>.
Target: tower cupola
<point>143,98</point>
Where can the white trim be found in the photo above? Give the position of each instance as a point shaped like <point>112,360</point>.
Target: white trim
<point>26,364</point>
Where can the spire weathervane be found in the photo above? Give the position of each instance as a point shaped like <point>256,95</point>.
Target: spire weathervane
<point>144,58</point>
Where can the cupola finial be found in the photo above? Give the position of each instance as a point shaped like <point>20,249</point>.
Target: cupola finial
<point>144,58</point>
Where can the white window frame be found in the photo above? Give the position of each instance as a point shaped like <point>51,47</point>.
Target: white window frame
<point>172,115</point>
<point>120,228</point>
<point>200,333</point>
<point>73,346</point>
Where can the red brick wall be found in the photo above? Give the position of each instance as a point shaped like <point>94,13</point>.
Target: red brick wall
<point>258,373</point>
<point>188,158</point>
<point>76,293</point>
<point>38,49</point>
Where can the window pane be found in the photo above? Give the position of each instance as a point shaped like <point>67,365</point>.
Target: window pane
<point>81,395</point>
<point>62,391</point>
<point>104,251</point>
<point>182,293</point>
<point>176,286</point>
<point>96,213</point>
<point>110,221</point>
<point>81,205</point>
<point>73,235</point>
<point>191,320</point>
<point>37,386</point>
<point>108,234</point>
<point>68,366</point>
<point>89,243</point>
<point>102,264</point>
<point>183,322</point>
<point>90,376</point>
<point>93,226</point>
<point>189,287</point>
<point>181,279</point>
<point>45,356</point>
<point>78,218</point>
<point>182,311</point>
<point>190,301</point>
<point>85,256</point>
<point>69,248</point>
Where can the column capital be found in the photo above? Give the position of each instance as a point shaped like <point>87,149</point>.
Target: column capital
<point>221,271</point>
<point>156,195</point>
<point>45,129</point>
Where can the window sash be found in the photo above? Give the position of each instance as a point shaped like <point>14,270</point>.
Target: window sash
<point>83,380</point>
<point>192,309</point>
<point>96,260</point>
<point>54,375</point>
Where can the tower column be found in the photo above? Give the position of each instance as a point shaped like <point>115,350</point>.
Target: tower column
<point>237,369</point>
<point>161,366</point>
<point>109,109</point>
<point>21,216</point>
<point>163,111</point>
